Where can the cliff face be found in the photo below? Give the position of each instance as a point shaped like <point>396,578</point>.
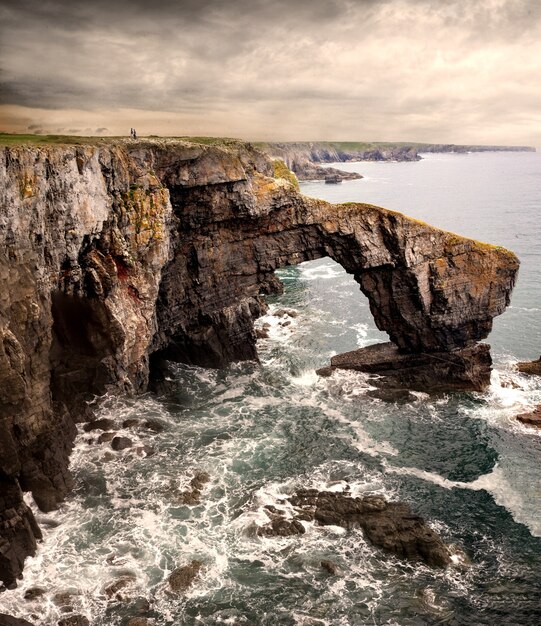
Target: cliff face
<point>114,257</point>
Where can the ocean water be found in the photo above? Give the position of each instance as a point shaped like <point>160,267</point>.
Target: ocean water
<point>263,430</point>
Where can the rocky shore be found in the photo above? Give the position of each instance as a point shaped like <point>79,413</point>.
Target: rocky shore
<point>304,158</point>
<point>116,257</point>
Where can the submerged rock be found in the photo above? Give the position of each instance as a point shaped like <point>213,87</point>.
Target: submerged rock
<point>137,621</point>
<point>192,496</point>
<point>106,437</point>
<point>182,578</point>
<point>33,593</point>
<point>533,418</point>
<point>114,589</point>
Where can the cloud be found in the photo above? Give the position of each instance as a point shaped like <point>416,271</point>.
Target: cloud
<point>337,69</point>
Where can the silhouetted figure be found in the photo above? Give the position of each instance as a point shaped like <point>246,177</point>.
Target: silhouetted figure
<point>134,134</point>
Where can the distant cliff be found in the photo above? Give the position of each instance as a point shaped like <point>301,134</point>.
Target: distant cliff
<point>303,157</point>
<point>116,255</point>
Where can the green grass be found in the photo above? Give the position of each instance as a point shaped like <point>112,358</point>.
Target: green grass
<point>281,170</point>
<point>8,139</point>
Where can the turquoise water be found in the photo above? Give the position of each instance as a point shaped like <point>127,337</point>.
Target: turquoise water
<point>263,430</point>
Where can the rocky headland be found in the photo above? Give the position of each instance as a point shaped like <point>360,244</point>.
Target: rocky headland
<point>304,158</point>
<point>117,256</point>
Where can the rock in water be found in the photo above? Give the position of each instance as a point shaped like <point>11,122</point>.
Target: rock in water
<point>101,424</point>
<point>331,567</point>
<point>466,369</point>
<point>530,367</point>
<point>533,418</point>
<point>74,620</point>
<point>182,578</point>
<point>109,264</point>
<point>121,443</point>
<point>389,525</point>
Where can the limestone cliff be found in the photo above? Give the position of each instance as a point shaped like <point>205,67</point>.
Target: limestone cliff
<point>117,255</point>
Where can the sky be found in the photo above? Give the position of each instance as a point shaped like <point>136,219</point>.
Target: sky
<point>453,71</point>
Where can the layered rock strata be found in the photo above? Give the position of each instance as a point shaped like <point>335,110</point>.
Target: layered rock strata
<point>116,256</point>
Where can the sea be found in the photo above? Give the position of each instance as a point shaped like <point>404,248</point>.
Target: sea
<point>263,430</point>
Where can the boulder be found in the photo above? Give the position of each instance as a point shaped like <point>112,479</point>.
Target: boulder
<point>100,424</point>
<point>121,443</point>
<point>183,577</point>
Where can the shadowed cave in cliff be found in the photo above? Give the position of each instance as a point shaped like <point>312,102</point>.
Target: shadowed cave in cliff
<point>83,340</point>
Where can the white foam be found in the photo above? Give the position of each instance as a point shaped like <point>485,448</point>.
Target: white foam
<point>494,482</point>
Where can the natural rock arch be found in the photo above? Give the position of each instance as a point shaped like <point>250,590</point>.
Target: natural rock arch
<point>164,249</point>
<point>430,290</point>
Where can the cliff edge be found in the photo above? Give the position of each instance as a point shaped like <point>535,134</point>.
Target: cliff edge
<point>117,255</point>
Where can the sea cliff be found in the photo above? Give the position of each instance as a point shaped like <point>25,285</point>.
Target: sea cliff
<point>304,158</point>
<point>116,256</point>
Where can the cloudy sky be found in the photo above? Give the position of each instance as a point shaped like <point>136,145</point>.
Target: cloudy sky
<point>461,71</point>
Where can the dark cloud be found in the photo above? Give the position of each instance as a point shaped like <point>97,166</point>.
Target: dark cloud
<point>336,66</point>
